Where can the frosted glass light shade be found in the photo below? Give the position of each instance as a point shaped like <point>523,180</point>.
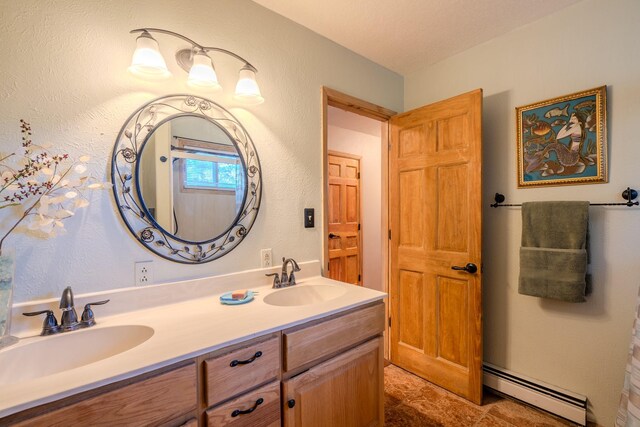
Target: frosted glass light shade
<point>202,73</point>
<point>147,62</point>
<point>247,90</point>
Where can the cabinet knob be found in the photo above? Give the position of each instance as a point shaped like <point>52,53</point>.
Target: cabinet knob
<point>291,403</point>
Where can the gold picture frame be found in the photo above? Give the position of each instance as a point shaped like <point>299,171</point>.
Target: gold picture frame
<point>563,141</point>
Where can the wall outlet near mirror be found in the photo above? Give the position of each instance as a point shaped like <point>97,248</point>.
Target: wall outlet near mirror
<point>266,258</point>
<point>144,273</point>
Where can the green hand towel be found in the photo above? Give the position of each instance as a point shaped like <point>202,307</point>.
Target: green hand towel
<point>553,273</point>
<point>553,256</point>
<point>559,225</point>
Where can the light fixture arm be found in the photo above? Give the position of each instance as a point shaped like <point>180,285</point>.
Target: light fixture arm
<point>194,44</point>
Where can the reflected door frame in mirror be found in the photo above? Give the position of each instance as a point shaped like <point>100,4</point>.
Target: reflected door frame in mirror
<point>126,187</point>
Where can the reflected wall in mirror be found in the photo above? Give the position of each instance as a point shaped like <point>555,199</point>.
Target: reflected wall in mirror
<point>186,178</point>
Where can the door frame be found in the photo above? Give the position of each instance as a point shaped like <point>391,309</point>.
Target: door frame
<point>334,98</point>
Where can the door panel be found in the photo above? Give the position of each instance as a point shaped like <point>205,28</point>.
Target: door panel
<point>453,302</point>
<point>411,313</point>
<point>435,220</point>
<point>453,210</point>
<point>324,395</point>
<point>334,204</point>
<point>345,260</point>
<point>412,193</point>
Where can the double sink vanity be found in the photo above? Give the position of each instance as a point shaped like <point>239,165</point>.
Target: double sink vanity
<point>309,354</point>
<point>305,354</point>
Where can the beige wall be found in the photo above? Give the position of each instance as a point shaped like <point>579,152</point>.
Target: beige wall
<point>358,135</point>
<point>580,347</point>
<point>65,69</point>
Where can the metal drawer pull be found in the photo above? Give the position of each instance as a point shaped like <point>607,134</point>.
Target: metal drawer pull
<point>247,411</point>
<point>244,362</point>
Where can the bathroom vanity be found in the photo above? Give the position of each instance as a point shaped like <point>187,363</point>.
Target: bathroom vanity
<point>279,360</point>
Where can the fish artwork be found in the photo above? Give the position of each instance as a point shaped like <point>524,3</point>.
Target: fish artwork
<point>559,122</point>
<point>584,104</point>
<point>541,128</point>
<point>557,112</point>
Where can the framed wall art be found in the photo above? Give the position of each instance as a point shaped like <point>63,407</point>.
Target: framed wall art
<point>563,141</point>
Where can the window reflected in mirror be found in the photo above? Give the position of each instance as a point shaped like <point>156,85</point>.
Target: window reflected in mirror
<point>193,178</point>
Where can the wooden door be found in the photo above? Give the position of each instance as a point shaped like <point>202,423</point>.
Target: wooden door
<point>345,258</point>
<point>347,390</point>
<point>436,225</point>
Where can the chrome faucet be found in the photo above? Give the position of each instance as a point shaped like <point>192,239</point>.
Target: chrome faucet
<point>291,280</point>
<point>285,279</point>
<point>69,320</point>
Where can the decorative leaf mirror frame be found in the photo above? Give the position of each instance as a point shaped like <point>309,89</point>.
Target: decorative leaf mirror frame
<point>127,190</point>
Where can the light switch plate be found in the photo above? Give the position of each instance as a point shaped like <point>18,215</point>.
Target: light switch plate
<point>309,218</point>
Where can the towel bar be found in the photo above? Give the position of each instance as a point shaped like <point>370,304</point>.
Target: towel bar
<point>629,195</point>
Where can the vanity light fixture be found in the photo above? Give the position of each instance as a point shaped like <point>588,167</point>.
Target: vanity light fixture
<point>147,62</point>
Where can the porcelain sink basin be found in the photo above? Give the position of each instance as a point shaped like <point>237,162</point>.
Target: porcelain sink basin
<point>304,295</point>
<point>69,350</point>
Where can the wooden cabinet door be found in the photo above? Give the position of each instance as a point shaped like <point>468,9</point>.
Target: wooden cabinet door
<point>159,400</point>
<point>435,197</point>
<point>345,391</point>
<point>345,257</point>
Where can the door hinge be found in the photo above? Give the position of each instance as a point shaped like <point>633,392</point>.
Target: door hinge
<point>359,277</point>
<point>389,321</point>
<point>358,227</point>
<point>389,234</point>
<point>328,266</point>
<point>358,175</point>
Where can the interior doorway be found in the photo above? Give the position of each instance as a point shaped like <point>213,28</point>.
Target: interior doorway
<point>340,113</point>
<point>355,184</point>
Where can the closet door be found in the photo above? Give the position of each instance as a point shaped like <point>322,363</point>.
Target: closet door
<point>344,239</point>
<point>436,228</point>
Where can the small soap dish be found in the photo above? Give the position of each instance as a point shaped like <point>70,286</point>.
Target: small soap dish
<point>226,298</point>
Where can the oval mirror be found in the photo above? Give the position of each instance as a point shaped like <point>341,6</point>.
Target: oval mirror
<point>186,178</point>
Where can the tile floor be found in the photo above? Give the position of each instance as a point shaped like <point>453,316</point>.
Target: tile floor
<point>412,401</point>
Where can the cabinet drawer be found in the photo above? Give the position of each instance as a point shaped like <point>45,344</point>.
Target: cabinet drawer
<point>263,414</point>
<point>314,342</point>
<point>232,373</point>
<point>154,401</point>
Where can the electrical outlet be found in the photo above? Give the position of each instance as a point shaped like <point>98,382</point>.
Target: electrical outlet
<point>144,273</point>
<point>266,258</point>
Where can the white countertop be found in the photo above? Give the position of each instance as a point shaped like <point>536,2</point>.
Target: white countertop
<point>182,330</point>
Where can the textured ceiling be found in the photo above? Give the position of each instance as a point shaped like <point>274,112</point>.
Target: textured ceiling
<point>405,35</point>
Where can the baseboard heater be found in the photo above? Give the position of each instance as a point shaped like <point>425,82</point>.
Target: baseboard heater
<point>560,402</point>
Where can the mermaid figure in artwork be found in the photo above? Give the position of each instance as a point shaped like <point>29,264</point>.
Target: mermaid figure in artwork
<point>569,157</point>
